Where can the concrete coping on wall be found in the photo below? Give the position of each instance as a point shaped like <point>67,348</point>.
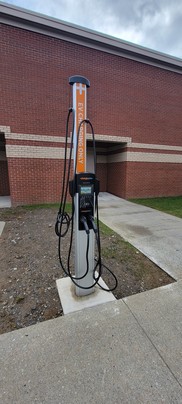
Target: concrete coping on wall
<point>40,23</point>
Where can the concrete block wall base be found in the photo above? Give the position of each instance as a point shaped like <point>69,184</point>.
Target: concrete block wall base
<point>71,303</point>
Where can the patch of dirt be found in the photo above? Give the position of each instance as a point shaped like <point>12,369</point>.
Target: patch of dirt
<point>30,266</point>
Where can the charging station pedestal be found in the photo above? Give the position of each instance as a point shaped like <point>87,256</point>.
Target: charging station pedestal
<point>76,291</point>
<point>80,257</point>
<point>80,85</point>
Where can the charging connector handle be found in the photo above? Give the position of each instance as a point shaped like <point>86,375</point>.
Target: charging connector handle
<point>93,224</point>
<point>84,221</point>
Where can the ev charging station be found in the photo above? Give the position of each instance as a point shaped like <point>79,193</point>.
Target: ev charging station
<point>84,192</point>
<point>84,220</point>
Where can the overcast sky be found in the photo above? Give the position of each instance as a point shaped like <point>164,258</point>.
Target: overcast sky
<point>155,24</point>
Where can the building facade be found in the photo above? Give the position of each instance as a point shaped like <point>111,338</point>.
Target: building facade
<point>134,104</point>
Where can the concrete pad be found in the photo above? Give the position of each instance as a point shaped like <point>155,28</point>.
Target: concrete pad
<point>2,224</point>
<point>159,312</point>
<point>97,355</point>
<point>71,303</point>
<point>156,234</point>
<point>5,202</point>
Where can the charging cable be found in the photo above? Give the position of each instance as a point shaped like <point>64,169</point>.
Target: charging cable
<point>64,220</point>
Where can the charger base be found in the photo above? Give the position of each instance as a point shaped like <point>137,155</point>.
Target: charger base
<point>71,302</point>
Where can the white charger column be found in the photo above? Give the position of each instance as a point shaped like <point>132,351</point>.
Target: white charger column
<point>80,85</point>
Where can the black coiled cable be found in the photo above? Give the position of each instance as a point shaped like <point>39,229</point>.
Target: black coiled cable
<point>63,218</point>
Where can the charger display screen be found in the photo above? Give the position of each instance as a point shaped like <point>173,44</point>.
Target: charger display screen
<point>85,190</point>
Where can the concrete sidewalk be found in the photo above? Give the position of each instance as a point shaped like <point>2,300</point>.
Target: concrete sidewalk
<point>5,202</point>
<point>126,351</point>
<point>156,234</point>
<point>120,352</point>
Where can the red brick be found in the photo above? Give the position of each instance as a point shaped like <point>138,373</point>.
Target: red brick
<point>126,98</point>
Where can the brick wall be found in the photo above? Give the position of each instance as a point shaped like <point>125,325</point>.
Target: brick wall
<point>150,180</point>
<point>126,99</point>
<point>102,176</point>
<point>35,180</point>
<point>116,183</point>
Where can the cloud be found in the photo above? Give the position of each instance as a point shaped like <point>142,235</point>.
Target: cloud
<point>156,24</point>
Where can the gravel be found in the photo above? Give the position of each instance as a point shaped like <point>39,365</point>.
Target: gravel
<point>30,267</point>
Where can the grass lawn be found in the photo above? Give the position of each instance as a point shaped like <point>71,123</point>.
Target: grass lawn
<point>171,205</point>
